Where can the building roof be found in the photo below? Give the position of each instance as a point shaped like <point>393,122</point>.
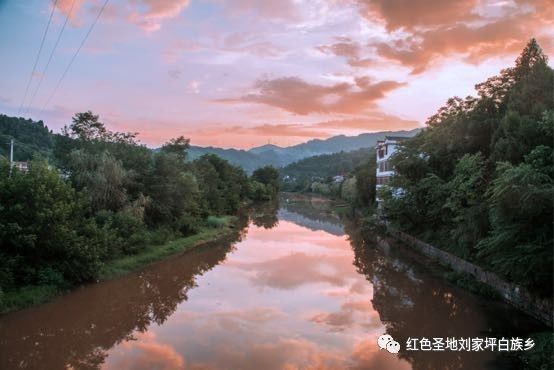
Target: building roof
<point>397,138</point>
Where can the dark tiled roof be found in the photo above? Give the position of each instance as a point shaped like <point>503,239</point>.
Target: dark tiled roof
<point>397,138</point>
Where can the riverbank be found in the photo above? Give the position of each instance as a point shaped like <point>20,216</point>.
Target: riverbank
<point>511,293</point>
<point>32,295</point>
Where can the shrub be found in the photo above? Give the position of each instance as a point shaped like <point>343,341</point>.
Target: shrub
<point>216,222</point>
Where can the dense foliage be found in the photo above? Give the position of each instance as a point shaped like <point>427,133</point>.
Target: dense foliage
<point>346,175</point>
<point>104,196</point>
<point>479,180</point>
<point>265,183</point>
<point>30,138</point>
<point>301,174</point>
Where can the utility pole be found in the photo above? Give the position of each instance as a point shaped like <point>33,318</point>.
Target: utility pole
<point>11,152</point>
<point>11,157</point>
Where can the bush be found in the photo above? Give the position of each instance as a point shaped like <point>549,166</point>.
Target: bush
<point>188,224</point>
<point>216,222</point>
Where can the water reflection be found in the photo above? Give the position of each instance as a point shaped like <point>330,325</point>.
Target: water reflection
<point>293,292</point>
<point>312,212</point>
<point>412,302</point>
<point>76,330</point>
<point>264,214</point>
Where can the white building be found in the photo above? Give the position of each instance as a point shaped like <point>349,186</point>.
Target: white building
<point>338,179</point>
<point>384,170</point>
<point>21,166</point>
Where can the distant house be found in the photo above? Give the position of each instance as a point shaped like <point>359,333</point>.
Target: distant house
<point>338,179</point>
<point>384,170</point>
<point>21,166</point>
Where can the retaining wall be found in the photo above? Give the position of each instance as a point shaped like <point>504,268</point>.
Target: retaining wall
<point>541,309</point>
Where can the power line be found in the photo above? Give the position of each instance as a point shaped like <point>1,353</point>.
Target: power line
<point>37,58</point>
<point>50,57</point>
<point>74,56</point>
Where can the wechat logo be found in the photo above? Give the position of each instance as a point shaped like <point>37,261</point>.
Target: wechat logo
<point>385,341</point>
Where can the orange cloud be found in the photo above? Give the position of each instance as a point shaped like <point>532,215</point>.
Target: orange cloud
<point>145,353</point>
<point>504,37</point>
<point>401,14</point>
<point>434,30</point>
<point>297,96</point>
<point>351,50</point>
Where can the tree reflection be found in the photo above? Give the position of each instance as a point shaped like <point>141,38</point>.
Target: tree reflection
<point>264,214</point>
<point>76,330</point>
<point>411,302</point>
<point>313,214</point>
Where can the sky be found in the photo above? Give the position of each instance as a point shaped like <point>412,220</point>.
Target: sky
<point>243,73</point>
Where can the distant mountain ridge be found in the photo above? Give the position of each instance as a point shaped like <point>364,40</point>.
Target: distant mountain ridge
<point>277,156</point>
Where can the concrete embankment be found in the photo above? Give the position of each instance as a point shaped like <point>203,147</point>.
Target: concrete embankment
<point>540,308</point>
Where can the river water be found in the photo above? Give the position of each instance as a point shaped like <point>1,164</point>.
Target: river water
<point>295,288</point>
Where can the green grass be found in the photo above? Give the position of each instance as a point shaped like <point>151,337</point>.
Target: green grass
<point>122,266</point>
<point>27,296</point>
<point>32,295</point>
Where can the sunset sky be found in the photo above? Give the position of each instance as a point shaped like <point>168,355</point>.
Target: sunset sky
<point>241,73</point>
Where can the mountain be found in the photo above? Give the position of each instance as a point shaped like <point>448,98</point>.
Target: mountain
<point>277,156</point>
<point>265,148</point>
<point>327,165</point>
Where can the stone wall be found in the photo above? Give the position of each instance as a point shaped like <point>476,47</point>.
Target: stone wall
<point>541,309</point>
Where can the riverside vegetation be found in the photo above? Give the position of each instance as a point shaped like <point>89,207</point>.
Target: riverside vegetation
<point>479,180</point>
<point>97,204</point>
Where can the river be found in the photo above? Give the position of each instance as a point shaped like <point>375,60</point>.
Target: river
<point>295,288</point>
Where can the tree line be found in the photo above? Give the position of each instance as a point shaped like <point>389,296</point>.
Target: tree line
<point>315,175</point>
<point>479,180</point>
<point>103,195</point>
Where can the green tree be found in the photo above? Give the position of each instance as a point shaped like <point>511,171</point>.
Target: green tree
<point>173,192</point>
<point>365,182</point>
<point>477,180</point>
<point>178,146</point>
<point>224,186</point>
<point>268,176</point>
<point>519,244</point>
<point>43,228</point>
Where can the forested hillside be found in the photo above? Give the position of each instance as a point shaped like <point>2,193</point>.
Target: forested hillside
<point>325,166</point>
<point>277,156</point>
<point>479,180</point>
<point>30,138</point>
<point>356,171</point>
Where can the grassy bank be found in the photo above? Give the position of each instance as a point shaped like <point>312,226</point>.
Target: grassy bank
<point>216,228</point>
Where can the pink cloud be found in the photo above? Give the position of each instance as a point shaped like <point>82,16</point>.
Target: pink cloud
<point>297,96</point>
<point>146,353</point>
<point>435,30</point>
<point>149,14</point>
<point>349,49</point>
<point>284,9</point>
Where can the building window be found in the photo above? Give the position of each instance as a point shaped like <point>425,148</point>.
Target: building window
<point>383,180</point>
<point>385,166</point>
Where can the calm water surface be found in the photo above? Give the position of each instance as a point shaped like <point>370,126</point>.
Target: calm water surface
<point>292,290</point>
